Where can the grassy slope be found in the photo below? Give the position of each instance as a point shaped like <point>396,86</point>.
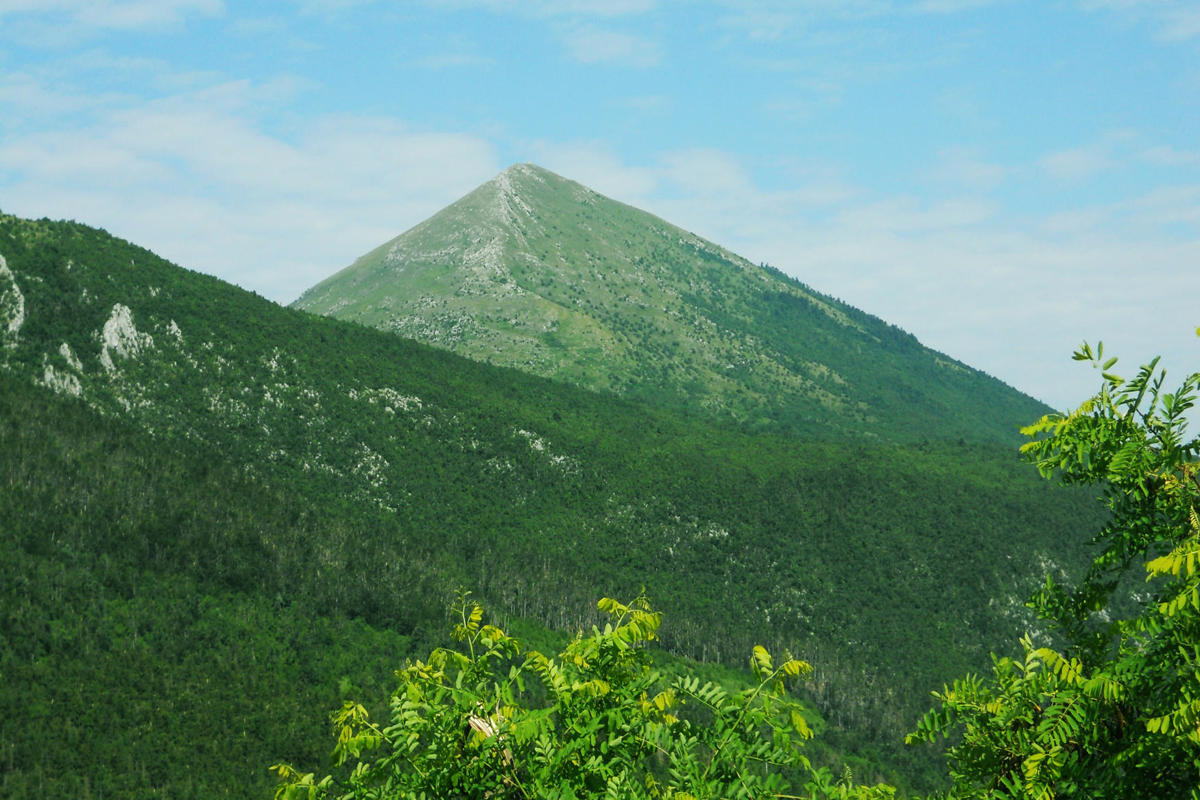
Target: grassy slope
<point>537,272</point>
<point>891,568</point>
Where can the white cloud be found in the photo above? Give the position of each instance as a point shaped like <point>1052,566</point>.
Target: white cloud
<point>136,14</point>
<point>454,60</point>
<point>1181,23</point>
<point>114,14</point>
<point>711,173</point>
<point>329,7</point>
<point>575,23</point>
<point>600,8</point>
<point>1168,205</point>
<point>651,102</point>
<point>1077,221</point>
<point>1175,20</point>
<point>197,179</point>
<point>1166,156</point>
<point>951,6</point>
<point>963,167</point>
<point>26,98</point>
<point>905,215</point>
<point>1011,302</point>
<point>778,19</point>
<point>592,45</point>
<point>1075,164</point>
<point>554,8</point>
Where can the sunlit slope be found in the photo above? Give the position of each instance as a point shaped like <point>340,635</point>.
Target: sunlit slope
<point>537,272</point>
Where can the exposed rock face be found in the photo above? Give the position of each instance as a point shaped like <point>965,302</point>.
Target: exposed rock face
<point>62,382</point>
<point>120,336</point>
<point>12,306</point>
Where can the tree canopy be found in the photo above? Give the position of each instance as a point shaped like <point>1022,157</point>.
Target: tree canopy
<point>597,720</point>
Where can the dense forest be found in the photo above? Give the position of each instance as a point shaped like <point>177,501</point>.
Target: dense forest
<point>1110,710</point>
<point>221,516</point>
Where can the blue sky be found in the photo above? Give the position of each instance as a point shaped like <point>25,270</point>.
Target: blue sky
<point>1003,179</point>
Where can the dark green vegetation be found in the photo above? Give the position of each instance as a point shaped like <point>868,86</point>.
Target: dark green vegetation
<point>540,273</point>
<point>1112,712</point>
<point>221,480</point>
<point>154,636</point>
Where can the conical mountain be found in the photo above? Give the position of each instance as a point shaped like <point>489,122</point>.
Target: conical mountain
<point>537,272</point>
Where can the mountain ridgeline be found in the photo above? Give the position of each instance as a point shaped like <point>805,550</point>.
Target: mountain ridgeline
<point>540,273</point>
<point>242,501</point>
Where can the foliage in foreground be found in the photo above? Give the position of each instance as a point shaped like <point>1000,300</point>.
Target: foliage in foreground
<point>1115,711</point>
<point>598,720</point>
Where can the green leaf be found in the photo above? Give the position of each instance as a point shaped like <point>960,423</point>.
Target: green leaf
<point>762,659</point>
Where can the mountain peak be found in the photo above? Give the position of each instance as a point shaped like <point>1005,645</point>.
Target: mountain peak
<point>523,180</point>
<point>529,169</point>
<point>538,272</point>
<point>520,175</point>
<point>508,185</point>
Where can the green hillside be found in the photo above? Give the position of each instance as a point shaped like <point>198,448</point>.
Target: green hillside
<point>537,272</point>
<point>307,472</point>
<point>162,632</point>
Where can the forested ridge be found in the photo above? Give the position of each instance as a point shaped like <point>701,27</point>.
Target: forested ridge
<point>313,477</point>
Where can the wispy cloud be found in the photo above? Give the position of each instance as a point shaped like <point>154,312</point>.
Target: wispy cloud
<point>1169,205</point>
<point>1166,156</point>
<point>454,60</point>
<point>775,19</point>
<point>25,100</point>
<point>1181,23</point>
<point>111,14</point>
<point>199,179</point>
<point>454,52</point>
<point>782,20</point>
<point>961,166</point>
<point>1076,164</point>
<point>554,8</point>
<point>1173,20</point>
<point>951,6</point>
<point>599,8</point>
<point>1115,149</point>
<point>331,7</point>
<point>650,102</point>
<point>593,45</point>
<point>1088,160</point>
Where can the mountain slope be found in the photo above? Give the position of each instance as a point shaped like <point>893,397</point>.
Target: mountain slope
<point>537,272</point>
<point>891,568</point>
<point>161,632</point>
